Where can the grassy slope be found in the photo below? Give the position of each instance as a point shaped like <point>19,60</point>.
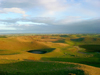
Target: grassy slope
<point>14,48</point>
<point>38,68</point>
<point>79,55</point>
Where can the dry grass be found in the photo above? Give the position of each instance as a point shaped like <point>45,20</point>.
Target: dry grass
<point>22,44</point>
<point>15,44</point>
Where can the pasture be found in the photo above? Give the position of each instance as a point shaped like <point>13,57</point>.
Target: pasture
<point>59,54</point>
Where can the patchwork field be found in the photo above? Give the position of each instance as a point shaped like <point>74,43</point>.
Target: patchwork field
<point>59,54</point>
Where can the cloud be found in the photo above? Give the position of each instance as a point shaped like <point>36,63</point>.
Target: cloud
<point>93,2</point>
<point>91,25</point>
<point>16,3</point>
<point>69,20</point>
<point>86,26</point>
<point>50,7</point>
<point>53,6</point>
<point>38,20</point>
<point>5,27</point>
<point>14,10</point>
<point>52,15</point>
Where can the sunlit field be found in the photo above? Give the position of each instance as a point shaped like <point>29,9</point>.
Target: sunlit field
<point>50,54</point>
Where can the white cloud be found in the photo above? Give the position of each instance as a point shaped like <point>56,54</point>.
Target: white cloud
<point>53,6</point>
<point>14,10</point>
<point>50,7</point>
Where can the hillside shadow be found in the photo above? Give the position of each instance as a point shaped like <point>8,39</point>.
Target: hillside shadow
<point>91,48</point>
<point>77,40</point>
<point>59,41</point>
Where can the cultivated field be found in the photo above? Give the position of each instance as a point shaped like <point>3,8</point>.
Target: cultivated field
<point>52,54</point>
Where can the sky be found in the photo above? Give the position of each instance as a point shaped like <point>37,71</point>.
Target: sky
<point>49,16</point>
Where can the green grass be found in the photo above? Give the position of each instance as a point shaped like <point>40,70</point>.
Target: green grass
<point>88,61</point>
<point>51,63</point>
<point>38,68</point>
